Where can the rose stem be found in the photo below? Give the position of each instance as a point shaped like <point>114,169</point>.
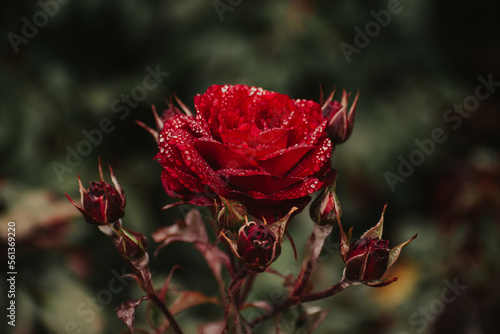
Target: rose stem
<point>173,323</point>
<point>232,265</point>
<point>326,293</point>
<point>246,288</point>
<point>237,281</point>
<point>307,298</point>
<point>316,241</point>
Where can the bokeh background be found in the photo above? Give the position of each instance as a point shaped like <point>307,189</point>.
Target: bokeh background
<point>62,79</point>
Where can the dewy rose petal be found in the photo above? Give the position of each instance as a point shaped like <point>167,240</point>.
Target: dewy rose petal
<point>260,148</point>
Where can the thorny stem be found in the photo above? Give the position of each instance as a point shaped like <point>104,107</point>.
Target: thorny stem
<point>246,288</point>
<point>232,265</point>
<point>141,269</point>
<point>315,244</point>
<point>343,284</point>
<point>142,272</point>
<point>144,275</point>
<point>237,282</point>
<point>291,301</point>
<point>173,323</point>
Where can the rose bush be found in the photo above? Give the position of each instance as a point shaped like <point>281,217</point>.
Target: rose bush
<point>247,144</point>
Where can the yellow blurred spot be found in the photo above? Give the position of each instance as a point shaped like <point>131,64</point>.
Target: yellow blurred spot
<point>395,294</point>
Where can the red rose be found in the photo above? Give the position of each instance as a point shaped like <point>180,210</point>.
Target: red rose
<point>247,144</point>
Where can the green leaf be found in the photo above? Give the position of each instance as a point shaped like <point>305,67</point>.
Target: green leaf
<point>395,251</point>
<point>376,231</point>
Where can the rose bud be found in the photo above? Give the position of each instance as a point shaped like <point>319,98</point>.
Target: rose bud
<point>340,123</point>
<point>326,208</point>
<point>368,259</point>
<point>132,245</point>
<point>259,244</point>
<point>232,214</point>
<point>102,203</point>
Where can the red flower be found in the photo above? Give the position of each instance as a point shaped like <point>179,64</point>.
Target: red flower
<point>250,145</point>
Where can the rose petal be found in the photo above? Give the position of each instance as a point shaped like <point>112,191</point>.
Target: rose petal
<point>314,161</point>
<point>267,184</point>
<point>220,156</point>
<point>307,187</point>
<point>276,137</point>
<point>281,162</point>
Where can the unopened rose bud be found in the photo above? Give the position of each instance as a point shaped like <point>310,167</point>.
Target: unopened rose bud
<point>368,259</point>
<point>132,245</point>
<point>101,203</point>
<point>232,214</point>
<point>257,246</point>
<point>340,122</point>
<point>326,208</point>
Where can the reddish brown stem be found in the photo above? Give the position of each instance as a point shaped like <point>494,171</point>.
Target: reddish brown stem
<point>237,282</point>
<point>315,245</point>
<point>246,288</point>
<point>291,301</point>
<point>173,323</point>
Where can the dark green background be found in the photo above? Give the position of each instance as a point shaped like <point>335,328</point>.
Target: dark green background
<point>428,58</point>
